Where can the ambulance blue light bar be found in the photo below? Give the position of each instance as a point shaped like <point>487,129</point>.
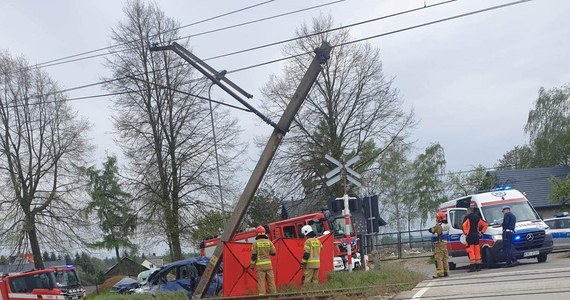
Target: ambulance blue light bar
<point>502,188</point>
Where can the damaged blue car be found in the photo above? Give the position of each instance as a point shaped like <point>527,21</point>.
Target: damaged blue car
<point>181,276</point>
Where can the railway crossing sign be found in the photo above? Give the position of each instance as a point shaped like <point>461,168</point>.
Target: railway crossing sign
<point>343,169</point>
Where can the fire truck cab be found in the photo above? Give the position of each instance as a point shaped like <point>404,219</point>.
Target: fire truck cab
<point>53,283</point>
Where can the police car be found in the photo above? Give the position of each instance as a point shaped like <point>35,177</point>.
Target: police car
<point>560,228</point>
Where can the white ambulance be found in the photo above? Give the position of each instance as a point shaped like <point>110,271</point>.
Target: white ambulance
<point>532,238</point>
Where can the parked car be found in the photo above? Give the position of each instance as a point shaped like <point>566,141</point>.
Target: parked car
<point>181,276</point>
<point>560,227</point>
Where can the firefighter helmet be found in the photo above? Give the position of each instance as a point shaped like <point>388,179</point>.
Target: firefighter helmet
<point>260,230</point>
<point>306,230</point>
<point>440,216</point>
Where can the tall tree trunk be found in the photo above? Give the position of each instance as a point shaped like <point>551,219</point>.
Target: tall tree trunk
<point>119,262</point>
<point>34,243</point>
<point>173,229</point>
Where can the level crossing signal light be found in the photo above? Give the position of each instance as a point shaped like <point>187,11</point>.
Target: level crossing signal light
<point>367,206</point>
<point>336,205</point>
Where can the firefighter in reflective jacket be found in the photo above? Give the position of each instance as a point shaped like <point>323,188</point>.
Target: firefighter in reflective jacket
<point>311,261</point>
<point>473,228</point>
<point>261,250</point>
<point>440,245</point>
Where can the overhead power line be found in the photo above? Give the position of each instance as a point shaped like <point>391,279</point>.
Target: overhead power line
<point>329,30</point>
<point>59,61</point>
<point>437,21</point>
<point>342,44</point>
<point>50,62</point>
<point>388,33</point>
<point>159,86</point>
<point>190,94</point>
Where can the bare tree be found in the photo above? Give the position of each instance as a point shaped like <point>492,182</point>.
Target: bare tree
<point>43,142</point>
<point>166,135</point>
<point>352,109</point>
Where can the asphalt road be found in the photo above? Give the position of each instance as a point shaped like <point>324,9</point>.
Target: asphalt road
<point>529,280</point>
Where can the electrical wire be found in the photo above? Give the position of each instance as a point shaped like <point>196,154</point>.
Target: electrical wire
<point>387,33</point>
<point>252,49</point>
<point>329,30</point>
<point>49,63</point>
<point>334,46</point>
<point>190,94</point>
<point>59,62</point>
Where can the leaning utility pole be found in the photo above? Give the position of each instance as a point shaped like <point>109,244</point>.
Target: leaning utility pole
<point>279,131</point>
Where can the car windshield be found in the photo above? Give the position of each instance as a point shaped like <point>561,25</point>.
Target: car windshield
<point>493,214</point>
<point>65,278</point>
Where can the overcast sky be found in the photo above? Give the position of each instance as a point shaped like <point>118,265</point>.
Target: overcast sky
<point>470,81</point>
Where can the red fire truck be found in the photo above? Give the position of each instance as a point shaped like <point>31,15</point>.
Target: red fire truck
<point>291,228</point>
<point>53,283</point>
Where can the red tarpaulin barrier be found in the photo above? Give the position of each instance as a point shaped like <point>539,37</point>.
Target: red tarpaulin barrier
<point>239,280</point>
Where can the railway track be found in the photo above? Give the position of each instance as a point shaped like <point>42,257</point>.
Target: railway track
<point>348,293</point>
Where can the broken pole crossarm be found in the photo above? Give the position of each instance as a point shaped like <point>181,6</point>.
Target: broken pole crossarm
<point>323,53</point>
<point>212,70</point>
<point>213,75</point>
<point>159,48</point>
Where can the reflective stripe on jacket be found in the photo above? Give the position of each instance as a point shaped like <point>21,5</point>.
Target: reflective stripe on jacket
<point>262,249</point>
<point>313,246</point>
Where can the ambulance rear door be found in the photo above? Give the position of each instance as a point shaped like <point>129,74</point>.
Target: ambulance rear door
<point>455,218</point>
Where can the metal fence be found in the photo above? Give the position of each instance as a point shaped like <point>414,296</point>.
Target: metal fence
<point>398,245</point>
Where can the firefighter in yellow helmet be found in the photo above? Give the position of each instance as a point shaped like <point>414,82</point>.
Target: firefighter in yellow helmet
<point>439,240</point>
<point>311,261</point>
<point>261,250</point>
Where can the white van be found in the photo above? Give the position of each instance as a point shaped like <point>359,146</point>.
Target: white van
<point>532,238</point>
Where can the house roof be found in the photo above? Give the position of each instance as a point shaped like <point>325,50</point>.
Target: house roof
<point>156,262</point>
<point>533,182</point>
<point>127,260</point>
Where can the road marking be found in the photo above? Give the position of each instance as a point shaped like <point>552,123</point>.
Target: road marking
<point>422,291</point>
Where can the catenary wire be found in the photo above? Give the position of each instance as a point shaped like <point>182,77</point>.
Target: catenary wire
<point>329,30</point>
<point>388,33</point>
<point>160,86</point>
<point>59,62</point>
<point>258,47</point>
<point>131,92</point>
<point>346,43</point>
<point>47,63</point>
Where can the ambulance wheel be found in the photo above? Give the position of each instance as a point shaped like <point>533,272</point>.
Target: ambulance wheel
<point>452,266</point>
<point>488,259</point>
<point>542,257</point>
